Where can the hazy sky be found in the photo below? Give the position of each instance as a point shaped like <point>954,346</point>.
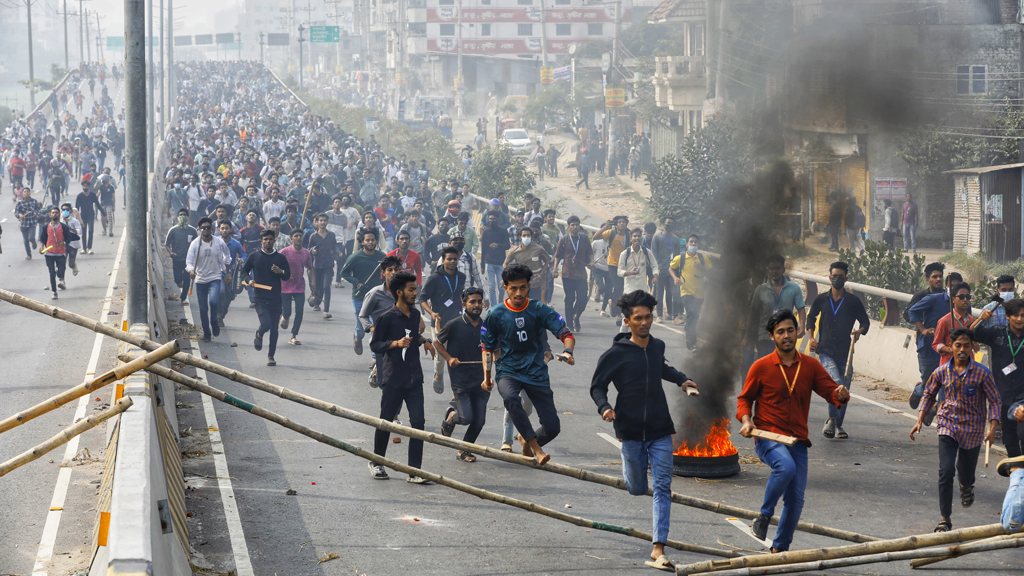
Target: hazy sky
<point>190,16</point>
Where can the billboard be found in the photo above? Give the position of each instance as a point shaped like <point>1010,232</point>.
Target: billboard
<point>277,39</point>
<point>225,38</point>
<point>203,39</point>
<point>182,40</point>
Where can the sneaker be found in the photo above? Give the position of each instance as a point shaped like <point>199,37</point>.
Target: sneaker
<point>61,285</point>
<point>271,361</point>
<point>206,338</point>
<point>659,319</point>
<point>294,342</point>
<point>252,304</point>
<point>372,379</point>
<point>284,322</point>
<point>417,480</point>
<point>327,316</point>
<point>74,271</point>
<point>760,527</point>
<point>928,418</point>
<point>257,342</point>
<point>915,397</point>
<point>215,328</point>
<point>54,296</point>
<point>377,471</point>
<point>316,308</point>
<point>357,346</point>
<point>184,302</point>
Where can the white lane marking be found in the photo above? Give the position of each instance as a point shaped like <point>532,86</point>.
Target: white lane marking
<point>4,220</point>
<point>239,549</point>
<point>45,552</point>
<point>611,440</point>
<point>742,526</point>
<point>887,407</point>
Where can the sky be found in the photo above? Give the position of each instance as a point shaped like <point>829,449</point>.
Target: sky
<point>191,16</point>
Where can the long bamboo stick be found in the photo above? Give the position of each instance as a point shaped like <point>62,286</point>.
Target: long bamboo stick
<point>242,378</point>
<point>66,435</point>
<point>438,439</point>
<point>436,478</point>
<point>997,543</point>
<point>799,556</point>
<point>956,551</point>
<point>87,387</point>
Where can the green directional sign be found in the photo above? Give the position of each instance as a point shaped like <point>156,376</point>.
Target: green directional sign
<point>115,42</point>
<point>325,34</point>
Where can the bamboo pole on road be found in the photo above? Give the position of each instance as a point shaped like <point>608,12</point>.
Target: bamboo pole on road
<point>488,452</point>
<point>65,436</point>
<point>251,408</point>
<point>87,387</point>
<point>761,561</point>
<point>924,556</point>
<point>242,378</point>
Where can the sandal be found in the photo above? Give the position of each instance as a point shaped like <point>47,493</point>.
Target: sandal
<point>506,448</point>
<point>466,456</point>
<point>944,526</point>
<point>966,496</point>
<point>841,434</point>
<point>829,431</point>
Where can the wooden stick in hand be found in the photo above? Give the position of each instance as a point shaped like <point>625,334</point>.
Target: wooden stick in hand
<point>780,438</point>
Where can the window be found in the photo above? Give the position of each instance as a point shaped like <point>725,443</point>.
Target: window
<point>446,2</point>
<point>563,29</point>
<point>695,39</point>
<point>524,2</point>
<point>595,29</point>
<point>526,29</point>
<point>485,29</point>
<point>447,29</point>
<point>971,79</point>
<point>563,2</point>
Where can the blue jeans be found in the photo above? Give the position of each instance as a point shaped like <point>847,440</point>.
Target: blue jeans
<point>357,305</point>
<point>835,370</point>
<point>926,365</point>
<point>1013,504</point>
<point>509,430</point>
<point>787,480</point>
<point>910,236</point>
<point>494,286</point>
<point>636,455</point>
<point>209,299</point>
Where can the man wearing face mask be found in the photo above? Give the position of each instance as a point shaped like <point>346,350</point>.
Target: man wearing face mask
<point>688,272</point>
<point>178,240</point>
<point>493,246</point>
<point>833,343</point>
<point>1007,287</point>
<point>76,227</point>
<point>53,239</point>
<point>532,256</point>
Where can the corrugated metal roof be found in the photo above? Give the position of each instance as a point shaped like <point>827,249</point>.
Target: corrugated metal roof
<point>676,10</point>
<point>985,169</point>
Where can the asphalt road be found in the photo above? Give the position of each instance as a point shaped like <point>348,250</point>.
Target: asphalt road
<point>878,482</point>
<point>42,357</point>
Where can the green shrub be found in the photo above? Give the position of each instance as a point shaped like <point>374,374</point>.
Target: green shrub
<point>882,268</point>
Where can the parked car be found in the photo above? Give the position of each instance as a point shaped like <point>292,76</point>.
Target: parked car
<point>517,140</point>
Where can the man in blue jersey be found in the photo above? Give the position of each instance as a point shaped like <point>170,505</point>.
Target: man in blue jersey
<point>515,331</point>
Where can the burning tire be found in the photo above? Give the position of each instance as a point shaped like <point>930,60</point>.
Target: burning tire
<point>713,457</point>
<point>706,466</point>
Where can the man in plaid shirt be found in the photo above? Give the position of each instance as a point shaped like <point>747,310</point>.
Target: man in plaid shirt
<point>27,212</point>
<point>962,415</point>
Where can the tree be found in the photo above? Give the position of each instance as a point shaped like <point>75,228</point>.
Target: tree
<point>685,186</point>
<point>549,105</point>
<point>495,169</point>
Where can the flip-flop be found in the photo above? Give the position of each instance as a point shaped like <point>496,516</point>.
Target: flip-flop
<point>506,448</point>
<point>662,563</point>
<point>829,431</point>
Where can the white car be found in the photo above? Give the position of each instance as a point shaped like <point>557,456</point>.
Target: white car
<point>518,141</point>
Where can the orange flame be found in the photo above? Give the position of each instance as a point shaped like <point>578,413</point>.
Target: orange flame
<point>715,444</point>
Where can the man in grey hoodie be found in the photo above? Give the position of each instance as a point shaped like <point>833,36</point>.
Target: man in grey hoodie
<point>641,416</point>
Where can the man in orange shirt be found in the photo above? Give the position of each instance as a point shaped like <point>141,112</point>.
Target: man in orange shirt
<point>778,392</point>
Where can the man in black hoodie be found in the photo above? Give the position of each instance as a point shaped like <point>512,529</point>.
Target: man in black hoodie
<point>641,416</point>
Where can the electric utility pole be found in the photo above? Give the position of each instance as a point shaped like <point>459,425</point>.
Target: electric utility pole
<point>459,88</point>
<point>88,48</point>
<point>151,143</point>
<point>170,54</point>
<point>160,33</point>
<point>81,31</point>
<point>261,47</point>
<point>67,60</point>
<point>301,40</point>
<point>608,83</point>
<point>99,37</point>
<point>135,164</point>
<point>31,62</point>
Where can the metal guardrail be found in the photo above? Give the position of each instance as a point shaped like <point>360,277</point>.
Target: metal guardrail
<point>56,89</point>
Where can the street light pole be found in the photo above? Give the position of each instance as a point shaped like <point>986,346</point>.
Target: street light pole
<point>170,53</point>
<point>160,33</point>
<point>67,62</point>
<point>301,40</point>
<point>261,47</point>
<point>81,31</point>
<point>135,160</point>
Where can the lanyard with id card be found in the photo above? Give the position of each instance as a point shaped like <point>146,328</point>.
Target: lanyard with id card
<point>1012,366</point>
